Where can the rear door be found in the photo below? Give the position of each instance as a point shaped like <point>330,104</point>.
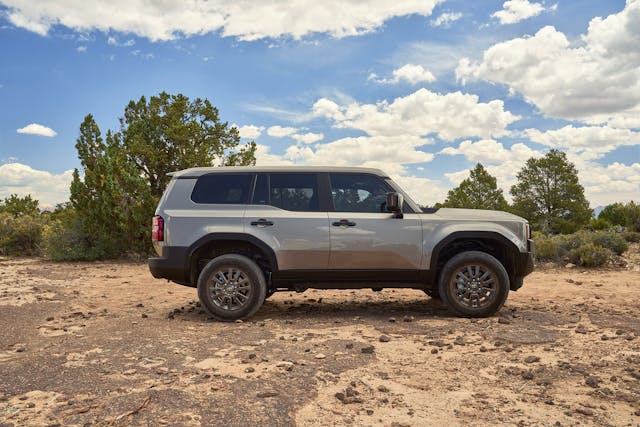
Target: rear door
<point>289,215</point>
<point>363,234</point>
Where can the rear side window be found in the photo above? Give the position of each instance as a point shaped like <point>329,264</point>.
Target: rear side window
<point>294,192</point>
<point>221,188</point>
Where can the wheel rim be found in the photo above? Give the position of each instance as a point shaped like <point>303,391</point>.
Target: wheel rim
<point>474,285</point>
<point>229,288</point>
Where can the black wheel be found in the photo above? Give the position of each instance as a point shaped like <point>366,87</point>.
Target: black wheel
<point>474,284</point>
<point>433,293</point>
<point>231,287</point>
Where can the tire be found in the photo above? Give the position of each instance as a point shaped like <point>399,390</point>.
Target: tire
<point>461,284</point>
<point>231,287</point>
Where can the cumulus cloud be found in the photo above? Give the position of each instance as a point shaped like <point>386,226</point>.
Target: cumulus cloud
<point>37,129</point>
<point>308,138</point>
<point>250,131</point>
<point>281,131</point>
<point>517,10</point>
<point>446,19</point>
<point>50,189</point>
<point>450,116</point>
<point>411,73</point>
<point>81,49</point>
<point>590,141</point>
<point>243,19</point>
<point>596,81</point>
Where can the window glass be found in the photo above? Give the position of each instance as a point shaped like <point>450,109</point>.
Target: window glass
<point>222,188</point>
<point>294,191</point>
<point>261,192</point>
<point>358,193</point>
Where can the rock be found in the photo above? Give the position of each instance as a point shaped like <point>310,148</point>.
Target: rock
<point>239,321</point>
<point>249,370</point>
<point>383,389</point>
<point>437,343</point>
<point>269,393</point>
<point>340,396</point>
<point>19,349</point>
<point>585,411</point>
<point>49,319</point>
<point>140,305</point>
<point>531,359</point>
<point>459,341</point>
<point>483,349</point>
<point>580,329</point>
<point>129,372</point>
<point>408,319</point>
<point>569,265</point>
<point>350,392</point>
<point>349,346</point>
<point>434,351</point>
<point>392,319</point>
<point>593,381</point>
<point>384,338</point>
<point>288,366</point>
<point>252,356</point>
<point>144,316</point>
<point>368,349</point>
<point>504,320</point>
<point>31,405</point>
<point>320,356</point>
<point>528,375</point>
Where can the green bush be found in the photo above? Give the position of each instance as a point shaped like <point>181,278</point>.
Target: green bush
<point>64,239</point>
<point>590,255</point>
<point>631,236</point>
<point>546,248</point>
<point>599,224</point>
<point>20,235</point>
<point>613,241</point>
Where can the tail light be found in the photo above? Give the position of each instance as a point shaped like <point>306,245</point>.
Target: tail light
<point>157,229</point>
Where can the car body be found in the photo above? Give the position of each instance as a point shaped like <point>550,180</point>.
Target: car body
<point>324,227</point>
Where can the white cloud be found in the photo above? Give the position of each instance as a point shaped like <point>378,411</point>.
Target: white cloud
<point>37,129</point>
<point>308,138</point>
<point>450,116</point>
<point>410,73</point>
<point>280,131</point>
<point>250,131</point>
<point>21,179</point>
<point>113,41</point>
<point>446,19</point>
<point>595,82</point>
<point>590,141</point>
<point>264,157</point>
<point>243,19</point>
<point>81,49</point>
<point>517,10</point>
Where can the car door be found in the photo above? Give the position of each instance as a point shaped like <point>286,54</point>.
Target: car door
<point>363,235</point>
<point>289,215</point>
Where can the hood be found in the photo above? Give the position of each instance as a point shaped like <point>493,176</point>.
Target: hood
<point>478,214</point>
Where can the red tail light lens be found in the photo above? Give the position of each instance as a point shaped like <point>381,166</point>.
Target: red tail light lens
<point>157,229</point>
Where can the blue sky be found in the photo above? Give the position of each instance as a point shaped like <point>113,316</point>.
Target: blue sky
<point>423,89</point>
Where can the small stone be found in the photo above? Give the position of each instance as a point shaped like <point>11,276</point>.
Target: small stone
<point>129,372</point>
<point>408,319</point>
<point>31,405</point>
<point>613,379</point>
<point>383,389</point>
<point>249,370</point>
<point>239,321</point>
<point>349,345</point>
<point>459,341</point>
<point>585,411</point>
<point>269,393</point>
<point>288,366</point>
<point>434,351</point>
<point>531,359</point>
<point>580,329</point>
<point>320,356</point>
<point>252,356</point>
<point>549,402</point>
<point>392,319</point>
<point>350,392</point>
<point>570,265</point>
<point>637,413</point>
<point>340,396</point>
<point>49,319</point>
<point>483,349</point>
<point>384,338</point>
<point>528,375</point>
<point>20,349</point>
<point>368,349</point>
<point>593,381</point>
<point>140,305</point>
<point>144,316</point>
<point>504,320</point>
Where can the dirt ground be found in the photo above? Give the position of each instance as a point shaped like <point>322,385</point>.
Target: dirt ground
<point>106,344</point>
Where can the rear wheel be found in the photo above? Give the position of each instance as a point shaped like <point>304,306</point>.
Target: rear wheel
<point>231,287</point>
<point>473,284</point>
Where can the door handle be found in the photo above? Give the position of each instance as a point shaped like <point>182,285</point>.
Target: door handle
<point>344,223</point>
<point>262,223</point>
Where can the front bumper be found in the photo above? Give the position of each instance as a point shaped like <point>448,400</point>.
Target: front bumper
<point>524,263</point>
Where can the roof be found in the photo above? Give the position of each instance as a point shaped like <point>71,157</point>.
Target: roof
<point>195,172</point>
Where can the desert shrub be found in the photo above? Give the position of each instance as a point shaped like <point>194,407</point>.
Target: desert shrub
<point>20,235</point>
<point>599,224</point>
<point>64,238</point>
<point>565,243</point>
<point>546,248</point>
<point>589,255</point>
<point>631,236</point>
<point>613,241</point>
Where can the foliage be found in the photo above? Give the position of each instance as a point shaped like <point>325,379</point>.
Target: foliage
<point>549,195</point>
<point>631,236</point>
<point>599,224</point>
<point>546,248</point>
<point>20,235</point>
<point>479,191</point>
<point>19,206</point>
<point>625,215</point>
<point>589,255</point>
<point>170,133</point>
<point>124,175</point>
<point>613,241</point>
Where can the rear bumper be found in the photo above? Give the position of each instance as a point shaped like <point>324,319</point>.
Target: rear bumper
<point>524,263</point>
<point>172,265</point>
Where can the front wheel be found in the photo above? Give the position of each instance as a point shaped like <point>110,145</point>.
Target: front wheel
<point>473,284</point>
<point>231,287</point>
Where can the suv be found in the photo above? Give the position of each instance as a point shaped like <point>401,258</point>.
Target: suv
<point>240,234</point>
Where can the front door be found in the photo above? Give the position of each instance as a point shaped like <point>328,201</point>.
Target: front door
<point>363,234</point>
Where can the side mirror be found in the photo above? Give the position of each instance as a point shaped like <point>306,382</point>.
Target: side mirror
<point>394,204</point>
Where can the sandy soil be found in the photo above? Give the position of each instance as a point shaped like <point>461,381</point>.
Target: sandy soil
<point>106,344</point>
